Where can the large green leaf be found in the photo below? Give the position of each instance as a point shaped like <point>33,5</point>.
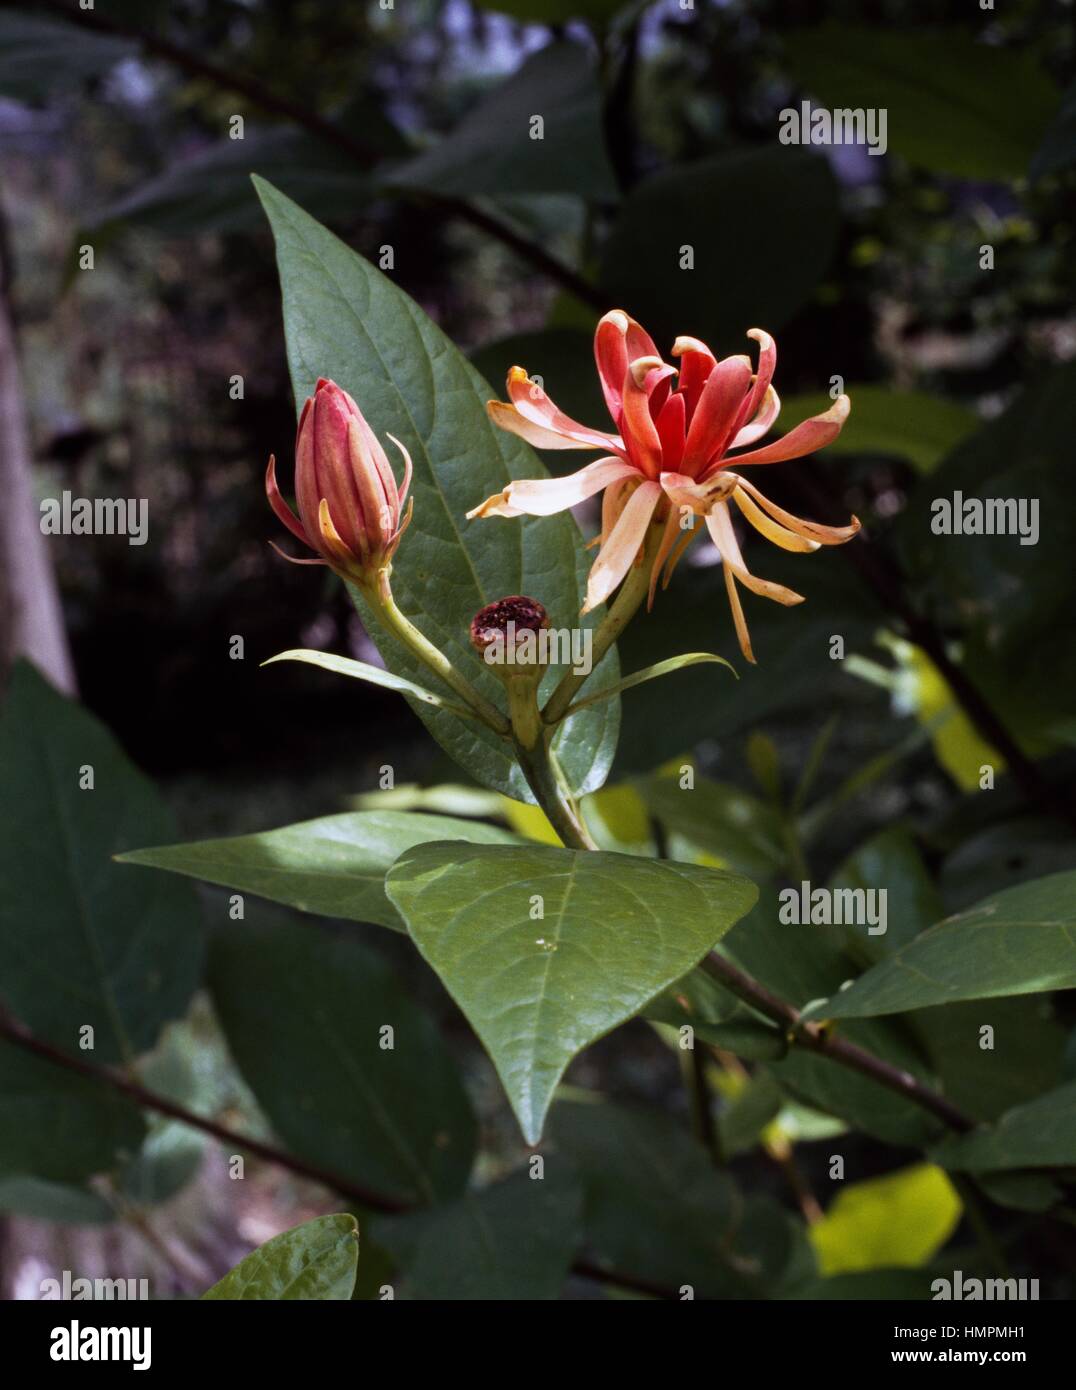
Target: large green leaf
<point>316,1260</point>
<point>492,150</point>
<point>753,264</point>
<point>1020,941</point>
<point>60,1127</point>
<point>334,866</point>
<point>84,942</point>
<point>954,105</point>
<point>345,320</point>
<point>613,932</point>
<point>211,192</point>
<point>511,1241</point>
<point>801,963</point>
<point>1040,1134</point>
<point>304,1015</point>
<point>656,1207</point>
<point>40,55</point>
<point>910,424</point>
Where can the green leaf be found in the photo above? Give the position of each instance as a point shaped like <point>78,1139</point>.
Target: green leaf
<point>334,866</point>
<point>514,1240</point>
<point>738,829</point>
<point>345,320</point>
<point>53,1201</point>
<point>889,862</point>
<point>598,12</point>
<point>732,210</point>
<point>1024,1058</point>
<point>374,675</point>
<point>911,424</point>
<point>39,56</point>
<point>656,1208</point>
<point>954,105</point>
<point>492,151</point>
<point>613,932</point>
<point>82,941</point>
<point>804,962</point>
<point>1020,941</point>
<point>1040,1134</point>
<point>210,191</point>
<point>897,1221</point>
<point>60,1127</point>
<point>304,1014</point>
<point>317,1260</point>
<point>1058,149</point>
<point>652,673</point>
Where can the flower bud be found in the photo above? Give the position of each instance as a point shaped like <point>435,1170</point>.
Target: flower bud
<point>350,509</point>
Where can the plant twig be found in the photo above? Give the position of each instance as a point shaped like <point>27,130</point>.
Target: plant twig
<point>815,1038</point>
<point>18,1036</point>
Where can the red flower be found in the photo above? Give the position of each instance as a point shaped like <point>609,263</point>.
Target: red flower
<point>670,456</point>
<point>349,506</point>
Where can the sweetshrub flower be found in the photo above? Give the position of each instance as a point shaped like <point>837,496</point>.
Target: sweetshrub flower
<point>670,457</point>
<point>350,509</point>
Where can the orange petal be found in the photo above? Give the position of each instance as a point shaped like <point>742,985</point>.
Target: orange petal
<point>621,547</point>
<point>810,530</point>
<point>531,401</point>
<point>546,496</point>
<point>772,530</point>
<point>812,434</point>
<point>283,511</point>
<point>720,527</point>
<point>507,417</point>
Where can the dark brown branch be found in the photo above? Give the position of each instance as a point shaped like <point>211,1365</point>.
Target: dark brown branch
<point>814,1038</point>
<point>255,91</point>
<point>20,1037</point>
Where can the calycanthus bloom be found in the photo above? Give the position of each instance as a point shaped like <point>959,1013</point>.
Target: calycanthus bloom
<point>671,453</point>
<point>350,509</point>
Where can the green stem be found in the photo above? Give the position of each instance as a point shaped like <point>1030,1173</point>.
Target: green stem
<point>546,781</point>
<point>626,604</point>
<point>380,595</point>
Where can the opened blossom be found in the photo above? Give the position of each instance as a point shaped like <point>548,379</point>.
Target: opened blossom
<point>670,458</point>
<point>350,508</point>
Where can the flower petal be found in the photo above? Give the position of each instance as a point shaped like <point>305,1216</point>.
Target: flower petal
<point>546,496</point>
<point>671,424</point>
<point>622,545</point>
<point>507,417</point>
<point>533,404</point>
<point>767,362</point>
<point>618,340</point>
<point>696,364</point>
<point>762,423</point>
<point>772,530</point>
<point>811,530</point>
<point>716,414</point>
<point>637,425</point>
<point>720,527</point>
<point>807,437</point>
<point>699,497</point>
<point>283,511</point>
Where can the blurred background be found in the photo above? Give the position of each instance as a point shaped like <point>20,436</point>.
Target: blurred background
<point>155,368</point>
